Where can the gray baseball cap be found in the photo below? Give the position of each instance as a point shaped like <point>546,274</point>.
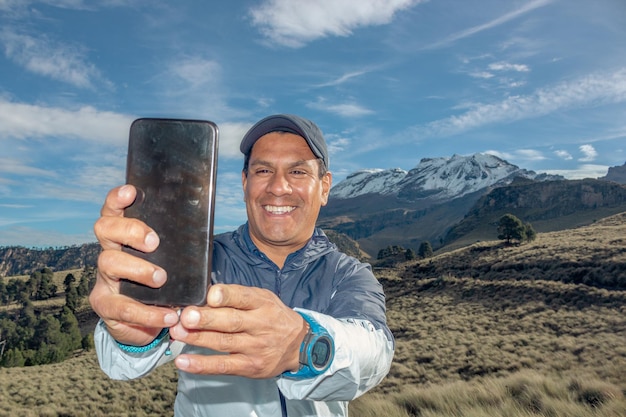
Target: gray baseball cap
<point>287,123</point>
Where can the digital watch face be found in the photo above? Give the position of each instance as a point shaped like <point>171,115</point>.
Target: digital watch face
<point>320,354</point>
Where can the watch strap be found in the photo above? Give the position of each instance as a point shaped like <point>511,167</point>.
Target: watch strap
<point>314,330</point>
<point>149,346</point>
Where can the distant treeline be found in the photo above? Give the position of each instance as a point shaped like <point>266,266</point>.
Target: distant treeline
<point>18,260</point>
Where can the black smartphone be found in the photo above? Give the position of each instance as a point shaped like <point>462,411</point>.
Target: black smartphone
<point>173,164</point>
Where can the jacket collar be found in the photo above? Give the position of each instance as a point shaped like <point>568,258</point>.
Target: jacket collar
<point>316,247</point>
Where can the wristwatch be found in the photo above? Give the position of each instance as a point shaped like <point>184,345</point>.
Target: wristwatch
<point>316,352</point>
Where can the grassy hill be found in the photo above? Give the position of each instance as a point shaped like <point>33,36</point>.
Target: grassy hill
<point>486,330</point>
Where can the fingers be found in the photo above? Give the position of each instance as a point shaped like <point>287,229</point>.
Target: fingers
<point>118,199</point>
<point>234,364</point>
<point>113,230</point>
<point>128,321</point>
<point>115,265</point>
<point>119,312</point>
<point>261,334</point>
<point>218,341</point>
<point>235,309</point>
<point>238,296</point>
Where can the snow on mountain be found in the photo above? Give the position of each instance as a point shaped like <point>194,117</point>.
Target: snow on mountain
<point>368,181</point>
<point>436,178</point>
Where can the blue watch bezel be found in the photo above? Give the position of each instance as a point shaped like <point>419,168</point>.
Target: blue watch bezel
<point>315,333</point>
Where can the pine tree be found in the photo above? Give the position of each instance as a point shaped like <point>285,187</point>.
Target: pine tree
<point>425,250</point>
<point>87,280</point>
<point>70,329</point>
<point>69,281</point>
<point>43,284</point>
<point>48,341</point>
<point>530,232</point>
<point>511,228</point>
<point>12,357</point>
<point>72,299</point>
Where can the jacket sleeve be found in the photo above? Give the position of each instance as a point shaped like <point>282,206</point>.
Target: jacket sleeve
<point>362,359</point>
<point>118,364</point>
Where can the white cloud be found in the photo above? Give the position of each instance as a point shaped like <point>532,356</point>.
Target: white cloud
<point>265,102</point>
<point>336,143</point>
<point>15,167</point>
<point>344,78</point>
<point>196,71</point>
<point>583,171</point>
<point>507,156</point>
<point>192,86</point>
<point>589,153</point>
<point>529,154</point>
<point>343,109</point>
<point>230,135</point>
<point>294,23</point>
<point>519,154</point>
<point>592,90</point>
<point>9,4</point>
<point>528,7</point>
<point>43,56</point>
<point>505,66</point>
<point>513,84</point>
<point>482,74</point>
<point>563,155</point>
<point>21,120</point>
<point>21,5</point>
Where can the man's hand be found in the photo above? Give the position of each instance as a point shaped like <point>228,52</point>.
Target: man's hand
<point>128,321</point>
<point>261,335</point>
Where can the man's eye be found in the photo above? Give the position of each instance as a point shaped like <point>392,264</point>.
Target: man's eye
<point>298,172</point>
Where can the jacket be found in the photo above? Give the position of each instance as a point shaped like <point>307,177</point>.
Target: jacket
<point>338,291</point>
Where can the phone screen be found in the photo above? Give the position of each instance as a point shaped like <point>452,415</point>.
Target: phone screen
<point>173,164</point>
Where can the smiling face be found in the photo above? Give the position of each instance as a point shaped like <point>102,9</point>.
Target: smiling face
<point>283,194</point>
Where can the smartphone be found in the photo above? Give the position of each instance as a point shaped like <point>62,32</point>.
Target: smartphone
<point>173,164</point>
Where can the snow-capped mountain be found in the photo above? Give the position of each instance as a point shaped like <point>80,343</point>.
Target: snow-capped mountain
<point>367,181</point>
<point>434,178</point>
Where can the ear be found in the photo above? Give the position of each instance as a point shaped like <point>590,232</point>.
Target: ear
<point>327,182</point>
<point>244,183</point>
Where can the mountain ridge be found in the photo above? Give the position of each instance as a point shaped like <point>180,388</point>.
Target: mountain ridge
<point>435,179</point>
<point>379,207</point>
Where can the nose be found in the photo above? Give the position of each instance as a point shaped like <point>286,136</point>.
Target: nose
<point>279,184</point>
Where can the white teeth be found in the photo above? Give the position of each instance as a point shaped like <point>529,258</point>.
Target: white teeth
<point>279,209</point>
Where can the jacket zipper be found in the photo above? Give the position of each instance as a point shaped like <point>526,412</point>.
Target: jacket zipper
<point>277,283</point>
<point>277,288</point>
<point>283,404</point>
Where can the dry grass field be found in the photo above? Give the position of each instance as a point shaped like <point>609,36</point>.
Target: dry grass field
<point>483,331</point>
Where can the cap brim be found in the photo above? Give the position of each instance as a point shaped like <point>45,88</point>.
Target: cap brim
<point>268,125</point>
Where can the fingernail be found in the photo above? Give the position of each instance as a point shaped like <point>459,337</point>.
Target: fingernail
<point>216,297</point>
<point>170,319</point>
<point>159,277</point>
<point>178,332</point>
<point>182,362</point>
<point>124,191</point>
<point>192,317</point>
<point>151,240</point>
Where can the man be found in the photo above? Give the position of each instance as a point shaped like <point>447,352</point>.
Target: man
<point>292,327</point>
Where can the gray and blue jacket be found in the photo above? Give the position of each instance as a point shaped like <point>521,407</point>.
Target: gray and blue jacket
<point>339,291</point>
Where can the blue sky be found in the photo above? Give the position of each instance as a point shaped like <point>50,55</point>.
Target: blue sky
<point>540,83</point>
